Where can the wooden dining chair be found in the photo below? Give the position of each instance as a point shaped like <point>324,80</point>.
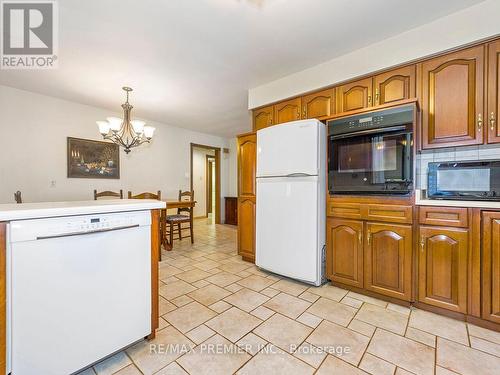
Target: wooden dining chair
<point>184,215</point>
<point>145,195</point>
<point>17,197</point>
<point>108,193</point>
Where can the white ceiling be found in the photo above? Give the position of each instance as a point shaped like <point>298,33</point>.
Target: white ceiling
<point>191,62</point>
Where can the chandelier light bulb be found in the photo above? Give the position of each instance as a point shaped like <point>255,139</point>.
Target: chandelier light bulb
<point>103,127</point>
<point>115,123</point>
<point>149,131</point>
<point>138,126</point>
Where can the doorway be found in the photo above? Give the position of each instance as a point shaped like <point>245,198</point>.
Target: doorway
<point>205,182</point>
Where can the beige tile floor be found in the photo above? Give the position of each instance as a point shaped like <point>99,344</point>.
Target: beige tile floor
<point>221,315</point>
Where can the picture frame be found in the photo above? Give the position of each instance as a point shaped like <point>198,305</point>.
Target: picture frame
<point>88,158</point>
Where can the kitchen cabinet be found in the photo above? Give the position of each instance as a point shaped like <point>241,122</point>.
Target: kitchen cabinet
<point>345,251</point>
<point>318,105</point>
<point>246,228</point>
<point>287,111</point>
<point>247,155</point>
<point>231,210</point>
<point>452,99</point>
<point>355,95</point>
<point>263,117</point>
<point>491,266</point>
<point>394,85</point>
<point>493,92</point>
<point>443,267</point>
<point>388,260</point>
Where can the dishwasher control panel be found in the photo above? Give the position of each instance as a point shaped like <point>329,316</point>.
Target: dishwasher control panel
<point>28,230</point>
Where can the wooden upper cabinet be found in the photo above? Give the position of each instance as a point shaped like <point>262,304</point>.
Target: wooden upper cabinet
<point>452,99</point>
<point>247,160</point>
<point>344,256</point>
<point>287,111</point>
<point>493,109</point>
<point>263,117</point>
<point>442,268</point>
<point>491,266</point>
<point>398,84</point>
<point>318,105</point>
<point>354,95</point>
<point>388,260</point>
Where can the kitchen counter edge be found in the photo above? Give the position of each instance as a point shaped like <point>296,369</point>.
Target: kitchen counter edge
<point>422,201</point>
<point>25,211</point>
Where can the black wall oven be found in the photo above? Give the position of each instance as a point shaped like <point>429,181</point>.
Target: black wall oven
<point>372,153</point>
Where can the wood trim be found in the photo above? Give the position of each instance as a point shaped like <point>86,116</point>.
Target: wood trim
<point>3,298</point>
<point>474,276</point>
<point>208,184</point>
<point>444,216</point>
<point>365,292</point>
<point>493,89</point>
<point>217,175</point>
<point>155,257</point>
<point>489,244</point>
<point>483,323</point>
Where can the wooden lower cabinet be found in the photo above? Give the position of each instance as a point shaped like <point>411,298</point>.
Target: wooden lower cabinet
<point>246,228</point>
<point>388,260</point>
<point>344,261</point>
<point>443,267</point>
<point>491,266</point>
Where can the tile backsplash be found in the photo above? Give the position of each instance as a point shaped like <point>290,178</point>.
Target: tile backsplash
<point>483,152</point>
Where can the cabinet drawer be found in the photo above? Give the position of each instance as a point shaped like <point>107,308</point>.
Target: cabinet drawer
<point>444,216</point>
<point>344,210</point>
<point>388,213</point>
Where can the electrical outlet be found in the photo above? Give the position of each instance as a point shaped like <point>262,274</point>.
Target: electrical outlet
<point>53,183</point>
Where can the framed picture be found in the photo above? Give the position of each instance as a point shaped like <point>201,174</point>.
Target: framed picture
<point>93,159</point>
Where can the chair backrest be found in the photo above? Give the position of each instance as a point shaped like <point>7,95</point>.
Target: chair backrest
<point>186,196</point>
<point>145,195</point>
<point>17,197</point>
<point>107,193</point>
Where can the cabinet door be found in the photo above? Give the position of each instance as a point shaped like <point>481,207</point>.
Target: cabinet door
<point>491,266</point>
<point>354,95</point>
<point>395,85</point>
<point>388,260</point>
<point>287,111</point>
<point>344,255</point>
<point>247,148</point>
<point>318,105</point>
<point>452,99</point>
<point>442,268</point>
<point>262,117</point>
<point>493,92</point>
<point>246,228</point>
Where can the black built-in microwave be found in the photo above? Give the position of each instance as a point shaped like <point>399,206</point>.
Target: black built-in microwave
<point>464,180</point>
<point>372,153</point>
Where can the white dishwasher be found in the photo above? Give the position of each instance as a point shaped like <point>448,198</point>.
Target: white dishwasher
<point>78,290</point>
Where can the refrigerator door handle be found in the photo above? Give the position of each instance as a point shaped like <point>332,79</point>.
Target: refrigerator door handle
<point>299,175</point>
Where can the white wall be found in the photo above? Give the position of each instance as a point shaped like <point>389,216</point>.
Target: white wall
<point>232,190</point>
<point>471,24</point>
<point>33,131</point>
<point>200,180</point>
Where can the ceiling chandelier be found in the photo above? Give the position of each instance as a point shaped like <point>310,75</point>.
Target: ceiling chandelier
<point>125,132</point>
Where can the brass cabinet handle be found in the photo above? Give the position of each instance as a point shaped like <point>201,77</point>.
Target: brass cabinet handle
<point>377,96</point>
<point>479,122</point>
<point>492,121</point>
<point>304,112</point>
<point>422,243</point>
<point>360,238</point>
<point>298,112</point>
<point>368,237</point>
<point>369,99</point>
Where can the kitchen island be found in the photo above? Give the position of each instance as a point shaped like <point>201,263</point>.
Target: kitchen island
<point>84,273</point>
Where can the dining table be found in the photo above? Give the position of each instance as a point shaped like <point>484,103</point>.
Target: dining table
<point>172,203</point>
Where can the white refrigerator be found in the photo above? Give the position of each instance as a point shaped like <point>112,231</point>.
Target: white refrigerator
<point>291,200</point>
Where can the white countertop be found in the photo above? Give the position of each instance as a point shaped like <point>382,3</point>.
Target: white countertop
<point>9,212</point>
<point>420,200</point>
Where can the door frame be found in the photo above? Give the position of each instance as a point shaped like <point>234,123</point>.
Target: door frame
<point>209,164</point>
<point>217,175</point>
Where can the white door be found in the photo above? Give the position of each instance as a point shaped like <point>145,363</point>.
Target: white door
<point>289,148</point>
<point>287,227</point>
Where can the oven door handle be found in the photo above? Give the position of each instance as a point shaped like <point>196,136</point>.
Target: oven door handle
<point>370,131</point>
